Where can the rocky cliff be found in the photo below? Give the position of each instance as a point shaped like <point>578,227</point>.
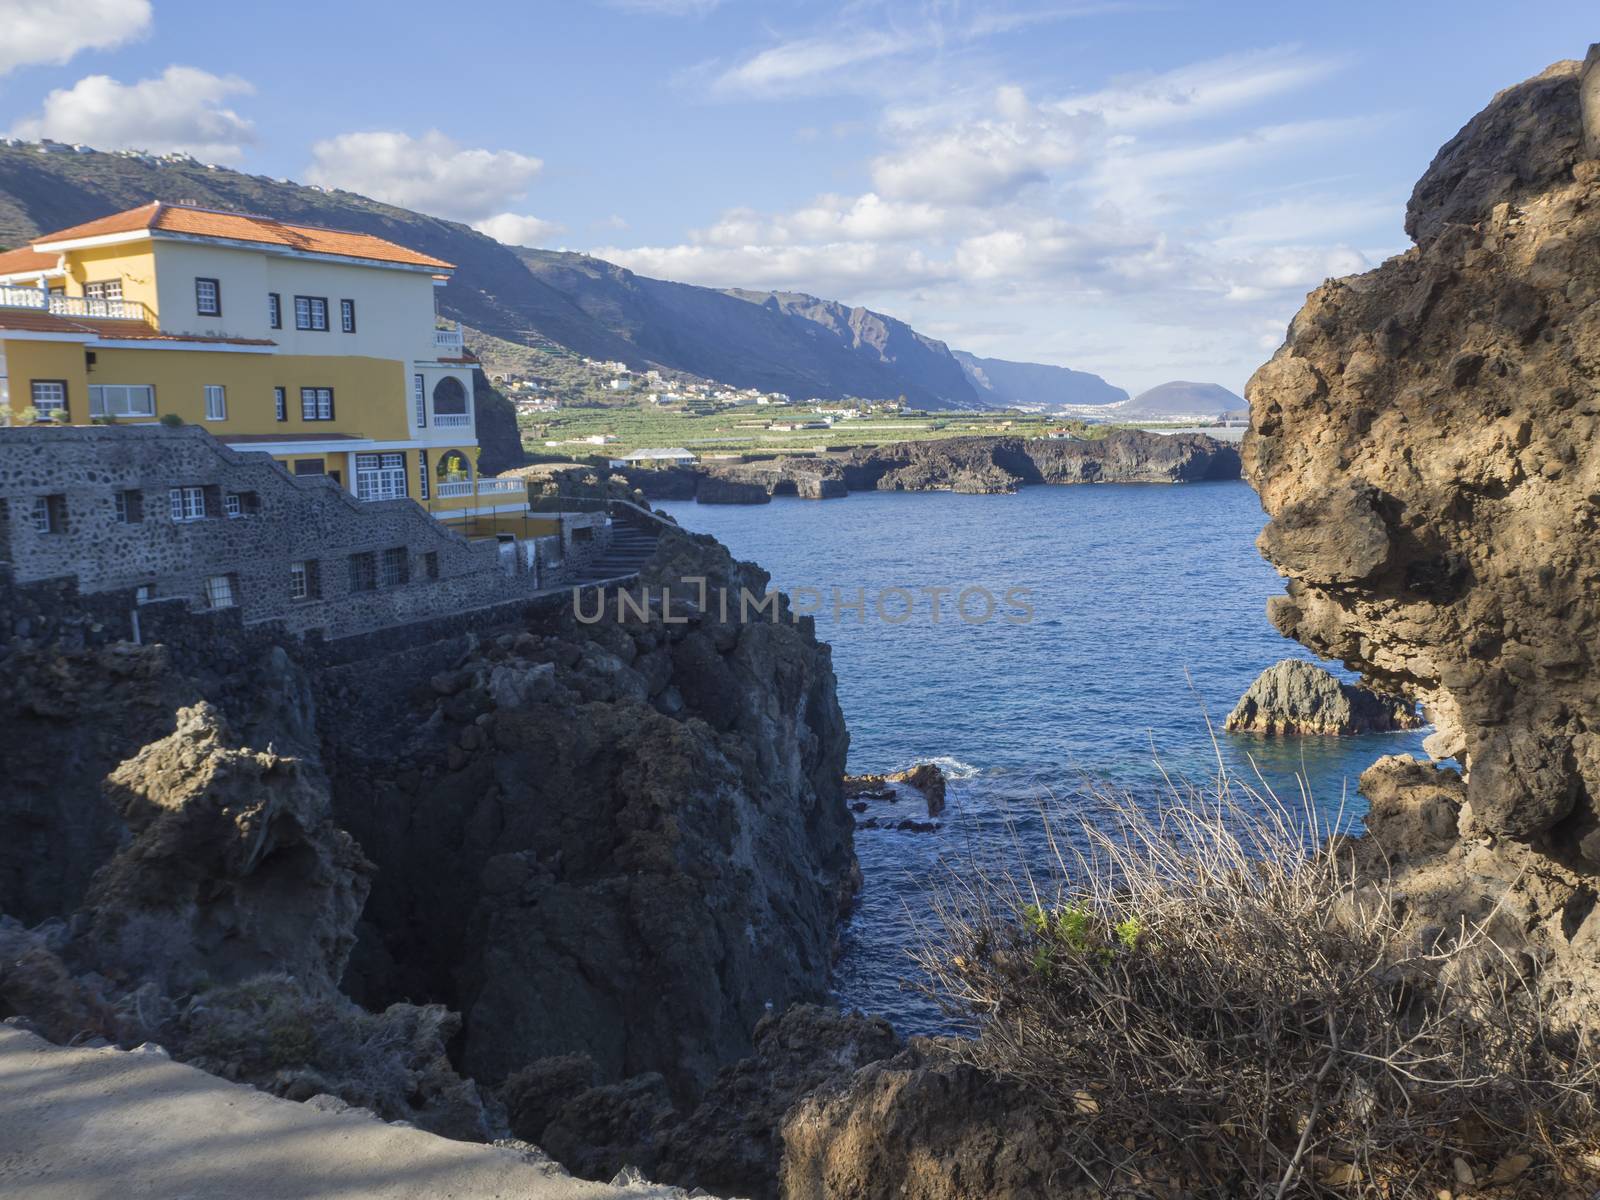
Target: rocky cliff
<point>1295,697</point>
<point>622,836</point>
<point>1424,445</point>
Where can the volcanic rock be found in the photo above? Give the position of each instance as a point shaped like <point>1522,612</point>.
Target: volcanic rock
<point>1296,697</point>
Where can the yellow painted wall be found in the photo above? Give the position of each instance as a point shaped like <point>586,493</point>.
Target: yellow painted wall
<point>27,361</point>
<point>371,397</point>
<point>134,264</point>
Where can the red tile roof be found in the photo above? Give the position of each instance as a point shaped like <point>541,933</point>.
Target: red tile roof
<point>159,216</point>
<point>13,262</point>
<point>28,320</point>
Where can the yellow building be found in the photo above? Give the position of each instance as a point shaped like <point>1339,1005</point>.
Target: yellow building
<point>319,347</point>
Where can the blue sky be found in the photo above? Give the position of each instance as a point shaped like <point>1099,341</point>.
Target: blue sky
<point>1144,190</point>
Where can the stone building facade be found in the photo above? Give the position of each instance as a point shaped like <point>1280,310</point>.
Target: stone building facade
<point>173,516</point>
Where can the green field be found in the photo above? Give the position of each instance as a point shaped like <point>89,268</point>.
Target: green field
<point>743,429</point>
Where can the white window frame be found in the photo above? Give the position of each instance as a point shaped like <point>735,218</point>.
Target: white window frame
<point>187,503</point>
<point>311,314</point>
<point>274,310</point>
<point>142,593</point>
<point>49,396</point>
<point>280,403</point>
<point>219,591</point>
<point>119,399</point>
<point>419,394</point>
<point>422,474</point>
<point>347,316</point>
<point>299,581</point>
<point>232,505</point>
<point>41,515</point>
<point>124,510</point>
<point>380,476</point>
<point>103,289</point>
<point>216,402</point>
<point>316,404</point>
<point>205,286</point>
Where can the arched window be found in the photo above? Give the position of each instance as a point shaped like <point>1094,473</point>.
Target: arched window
<point>449,398</point>
<point>452,465</point>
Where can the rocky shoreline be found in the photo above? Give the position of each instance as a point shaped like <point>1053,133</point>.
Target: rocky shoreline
<point>978,465</point>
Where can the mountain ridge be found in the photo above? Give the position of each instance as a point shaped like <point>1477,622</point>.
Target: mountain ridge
<point>1004,382</point>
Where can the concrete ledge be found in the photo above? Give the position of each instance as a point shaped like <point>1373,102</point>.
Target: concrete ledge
<point>101,1124</point>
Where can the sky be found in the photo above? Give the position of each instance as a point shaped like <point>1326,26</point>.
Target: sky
<point>1142,190</point>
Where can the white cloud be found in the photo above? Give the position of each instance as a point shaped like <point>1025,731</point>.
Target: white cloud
<point>432,173</point>
<point>827,269</point>
<point>181,110</point>
<point>801,63</point>
<point>53,31</point>
<point>514,229</point>
<point>1202,89</point>
<point>829,218</point>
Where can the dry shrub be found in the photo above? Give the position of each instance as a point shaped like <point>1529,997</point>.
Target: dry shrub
<point>1205,992</point>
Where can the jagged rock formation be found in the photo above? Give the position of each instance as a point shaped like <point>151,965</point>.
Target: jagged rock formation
<point>1295,697</point>
<point>624,838</point>
<point>1424,444</point>
<point>962,464</point>
<point>927,778</point>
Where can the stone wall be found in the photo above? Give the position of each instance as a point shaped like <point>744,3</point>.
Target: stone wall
<point>106,493</point>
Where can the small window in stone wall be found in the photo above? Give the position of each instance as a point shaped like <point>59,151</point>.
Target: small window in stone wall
<point>221,591</point>
<point>396,567</point>
<point>213,498</point>
<point>50,514</point>
<point>241,504</point>
<point>305,580</point>
<point>363,571</point>
<point>430,564</point>
<point>231,505</point>
<point>130,507</point>
<point>188,503</point>
<point>144,593</point>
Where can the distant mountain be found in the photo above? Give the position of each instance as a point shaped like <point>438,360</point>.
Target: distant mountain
<point>1180,398</point>
<point>1001,383</point>
<point>775,341</point>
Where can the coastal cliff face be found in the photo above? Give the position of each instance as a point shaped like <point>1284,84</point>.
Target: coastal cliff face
<point>623,837</point>
<point>626,839</point>
<point>1424,446</point>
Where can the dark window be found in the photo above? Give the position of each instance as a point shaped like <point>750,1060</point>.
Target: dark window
<point>305,580</point>
<point>208,297</point>
<point>449,398</point>
<point>280,404</point>
<point>396,567</point>
<point>311,312</point>
<point>222,591</point>
<point>213,500</point>
<point>363,571</point>
<point>430,564</point>
<point>130,507</point>
<point>275,310</point>
<point>316,404</point>
<point>309,466</point>
<point>347,315</point>
<point>50,514</point>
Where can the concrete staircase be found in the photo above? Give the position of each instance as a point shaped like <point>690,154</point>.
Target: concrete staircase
<point>629,549</point>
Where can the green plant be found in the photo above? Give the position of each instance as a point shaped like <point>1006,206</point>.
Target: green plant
<point>28,414</point>
<point>171,420</point>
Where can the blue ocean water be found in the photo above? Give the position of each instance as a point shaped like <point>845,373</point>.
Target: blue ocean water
<point>1148,614</point>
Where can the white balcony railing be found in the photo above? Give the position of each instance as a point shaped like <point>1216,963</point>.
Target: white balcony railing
<point>72,306</point>
<point>447,339</point>
<point>483,487</point>
<point>452,420</point>
<point>502,487</point>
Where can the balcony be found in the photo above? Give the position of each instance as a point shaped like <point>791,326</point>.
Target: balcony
<point>73,306</point>
<point>491,488</point>
<point>452,420</point>
<point>448,341</point>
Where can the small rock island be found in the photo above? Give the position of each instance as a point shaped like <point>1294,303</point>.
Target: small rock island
<point>1295,698</point>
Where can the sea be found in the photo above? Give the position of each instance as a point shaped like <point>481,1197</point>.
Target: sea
<point>1124,621</point>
